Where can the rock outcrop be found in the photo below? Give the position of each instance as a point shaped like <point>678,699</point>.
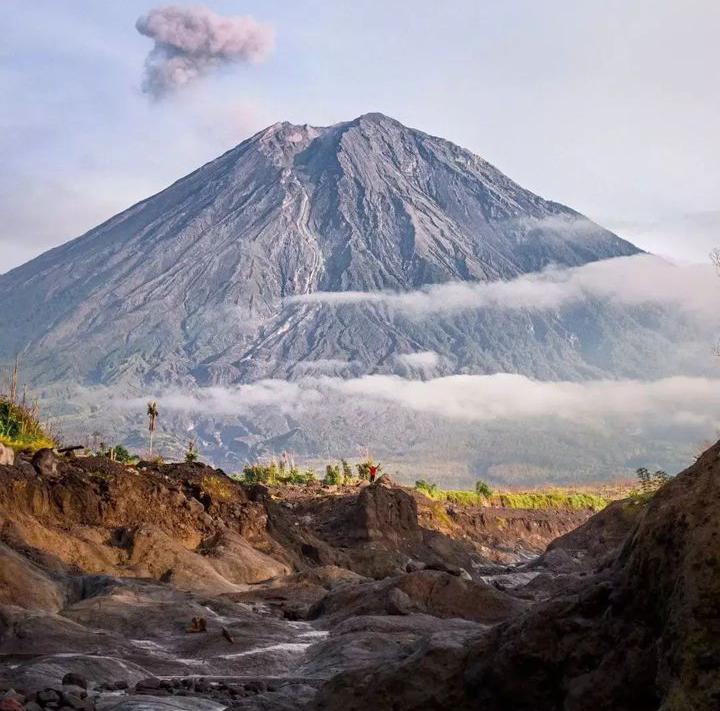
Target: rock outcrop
<point>642,632</point>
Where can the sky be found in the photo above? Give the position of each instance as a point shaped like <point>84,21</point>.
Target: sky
<point>608,106</point>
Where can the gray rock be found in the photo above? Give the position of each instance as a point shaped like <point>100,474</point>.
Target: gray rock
<point>73,679</point>
<point>398,603</point>
<point>160,703</point>
<point>48,696</point>
<point>77,691</point>
<point>45,462</point>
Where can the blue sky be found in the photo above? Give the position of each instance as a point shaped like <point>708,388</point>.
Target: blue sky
<point>610,107</point>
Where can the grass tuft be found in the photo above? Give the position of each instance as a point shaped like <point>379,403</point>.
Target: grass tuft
<point>20,427</point>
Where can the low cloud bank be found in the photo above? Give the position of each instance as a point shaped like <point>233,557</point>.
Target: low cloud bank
<point>422,360</point>
<point>192,41</point>
<point>676,401</point>
<point>637,280</point>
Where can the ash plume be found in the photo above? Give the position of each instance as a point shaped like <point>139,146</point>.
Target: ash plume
<point>191,42</point>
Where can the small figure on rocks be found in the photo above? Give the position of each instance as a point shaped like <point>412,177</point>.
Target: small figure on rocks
<point>199,624</point>
<point>373,472</point>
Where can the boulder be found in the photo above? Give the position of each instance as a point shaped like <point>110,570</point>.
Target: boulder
<point>72,679</point>
<point>25,584</point>
<point>433,592</point>
<point>7,455</point>
<point>398,602</point>
<point>384,513</point>
<point>45,462</point>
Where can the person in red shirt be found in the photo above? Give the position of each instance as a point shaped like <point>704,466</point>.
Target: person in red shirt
<point>373,472</point>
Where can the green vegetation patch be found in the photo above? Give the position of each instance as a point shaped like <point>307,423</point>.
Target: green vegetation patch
<point>484,496</point>
<point>552,500</point>
<point>20,427</point>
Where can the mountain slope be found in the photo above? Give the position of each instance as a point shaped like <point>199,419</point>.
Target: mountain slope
<point>188,285</point>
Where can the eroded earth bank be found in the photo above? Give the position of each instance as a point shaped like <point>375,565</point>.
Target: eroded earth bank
<point>174,587</point>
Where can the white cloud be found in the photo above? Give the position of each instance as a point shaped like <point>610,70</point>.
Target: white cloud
<point>422,360</point>
<point>636,280</point>
<point>668,402</point>
<point>326,364</point>
<point>506,396</point>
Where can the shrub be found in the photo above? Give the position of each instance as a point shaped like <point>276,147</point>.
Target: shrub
<point>191,453</point>
<point>427,487</point>
<point>649,481</point>
<point>333,475</point>
<point>483,489</point>
<point>304,478</point>
<point>120,454</point>
<point>274,475</point>
<point>346,471</point>
<point>257,474</point>
<point>461,498</point>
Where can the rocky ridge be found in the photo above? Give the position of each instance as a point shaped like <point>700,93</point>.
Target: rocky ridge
<point>164,586</point>
<point>636,628</point>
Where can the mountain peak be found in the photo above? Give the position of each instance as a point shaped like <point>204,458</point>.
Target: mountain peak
<point>363,205</point>
<point>376,117</point>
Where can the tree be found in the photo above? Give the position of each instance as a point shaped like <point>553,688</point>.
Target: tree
<point>346,471</point>
<point>191,453</point>
<point>152,413</point>
<point>483,489</point>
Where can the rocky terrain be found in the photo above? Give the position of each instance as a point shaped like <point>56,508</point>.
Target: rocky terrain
<point>634,622</point>
<point>171,586</point>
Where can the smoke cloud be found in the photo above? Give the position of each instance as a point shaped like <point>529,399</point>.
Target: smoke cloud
<point>191,42</point>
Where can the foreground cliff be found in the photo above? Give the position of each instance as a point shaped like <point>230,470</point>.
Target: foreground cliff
<point>173,586</point>
<point>641,632</point>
